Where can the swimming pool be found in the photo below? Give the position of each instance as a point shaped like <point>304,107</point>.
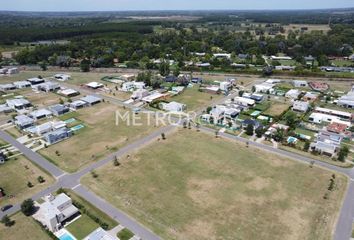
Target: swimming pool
<point>66,236</point>
<point>292,140</point>
<point>77,127</point>
<point>70,120</point>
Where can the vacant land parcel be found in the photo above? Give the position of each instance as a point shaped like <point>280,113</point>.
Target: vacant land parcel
<point>99,137</point>
<point>194,186</point>
<point>15,175</point>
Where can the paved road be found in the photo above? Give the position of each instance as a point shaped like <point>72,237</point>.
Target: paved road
<point>72,181</point>
<point>116,214</point>
<point>33,156</point>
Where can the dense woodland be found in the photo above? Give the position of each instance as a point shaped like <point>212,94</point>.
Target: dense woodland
<point>101,38</point>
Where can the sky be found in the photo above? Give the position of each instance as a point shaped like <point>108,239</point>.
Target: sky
<point>123,5</point>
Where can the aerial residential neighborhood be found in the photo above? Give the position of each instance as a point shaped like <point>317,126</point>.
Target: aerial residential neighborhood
<point>153,120</point>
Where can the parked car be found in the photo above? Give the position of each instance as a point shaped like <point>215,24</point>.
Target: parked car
<point>6,207</point>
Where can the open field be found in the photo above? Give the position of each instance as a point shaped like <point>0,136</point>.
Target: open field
<point>183,188</point>
<point>24,228</point>
<point>194,99</point>
<point>276,109</point>
<point>100,137</point>
<point>14,177</point>
<point>310,27</point>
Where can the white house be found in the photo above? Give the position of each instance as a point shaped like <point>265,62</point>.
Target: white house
<point>99,234</point>
<point>140,94</point>
<point>18,103</point>
<point>173,107</point>
<point>47,86</point>
<point>94,85</point>
<point>131,86</point>
<point>222,55</point>
<point>62,77</point>
<point>321,117</point>
<point>327,143</point>
<point>225,86</point>
<point>347,101</point>
<point>244,101</point>
<point>7,87</point>
<point>22,121</point>
<point>40,113</point>
<point>300,106</point>
<point>22,84</point>
<point>55,211</point>
<point>264,87</point>
<point>339,114</point>
<point>293,94</point>
<point>300,83</point>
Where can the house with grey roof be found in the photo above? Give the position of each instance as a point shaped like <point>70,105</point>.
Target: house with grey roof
<point>23,121</point>
<point>59,109</point>
<point>22,84</point>
<point>327,143</point>
<point>99,234</point>
<point>300,106</point>
<point>91,100</point>
<point>18,103</point>
<point>55,211</point>
<point>58,135</point>
<point>40,113</point>
<point>78,104</point>
<point>35,81</point>
<point>47,86</point>
<point>5,109</point>
<point>347,100</point>
<point>7,87</point>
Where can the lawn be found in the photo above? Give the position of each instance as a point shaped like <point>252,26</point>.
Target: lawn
<point>82,227</point>
<point>14,177</point>
<point>194,99</point>
<point>125,234</point>
<point>276,109</point>
<point>195,186</point>
<point>24,228</point>
<point>99,138</point>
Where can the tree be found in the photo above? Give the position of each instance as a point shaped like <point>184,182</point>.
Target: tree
<point>85,65</point>
<point>279,135</point>
<point>291,118</point>
<point>343,153</point>
<point>7,221</point>
<point>259,132</point>
<point>241,92</point>
<point>163,136</point>
<point>29,184</point>
<point>176,72</point>
<point>250,130</point>
<point>116,163</point>
<point>27,207</point>
<point>41,179</point>
<point>164,69</point>
<point>43,65</point>
<point>306,146</point>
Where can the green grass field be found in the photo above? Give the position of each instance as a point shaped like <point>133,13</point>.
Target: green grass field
<point>82,227</point>
<point>14,177</point>
<point>194,99</point>
<point>99,138</point>
<point>194,186</point>
<point>24,228</point>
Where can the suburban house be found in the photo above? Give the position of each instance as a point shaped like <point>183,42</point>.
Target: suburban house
<point>69,92</point>
<point>55,211</point>
<point>255,96</point>
<point>91,100</point>
<point>7,87</point>
<point>154,96</point>
<point>310,96</point>
<point>59,109</point>
<point>264,87</point>
<point>222,55</point>
<point>94,85</point>
<point>225,86</point>
<point>131,86</point>
<point>62,77</point>
<point>337,127</point>
<point>13,70</point>
<point>22,84</point>
<point>340,114</point>
<point>46,127</point>
<point>140,94</point>
<point>327,143</point>
<point>40,113</point>
<point>35,81</point>
<point>347,101</point>
<point>300,83</point>
<point>252,122</point>
<point>22,121</point>
<point>47,86</point>
<point>18,103</point>
<point>321,117</point>
<point>300,106</point>
<point>5,109</point>
<point>58,135</point>
<point>78,104</point>
<point>173,107</point>
<point>293,94</point>
<point>244,101</point>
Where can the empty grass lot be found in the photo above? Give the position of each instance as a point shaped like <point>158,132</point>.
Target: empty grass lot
<point>276,109</point>
<point>194,99</point>
<point>24,228</point>
<point>99,138</point>
<point>194,186</point>
<point>14,177</point>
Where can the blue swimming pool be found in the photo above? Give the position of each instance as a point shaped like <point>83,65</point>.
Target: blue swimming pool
<point>77,127</point>
<point>66,236</point>
<point>70,120</point>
